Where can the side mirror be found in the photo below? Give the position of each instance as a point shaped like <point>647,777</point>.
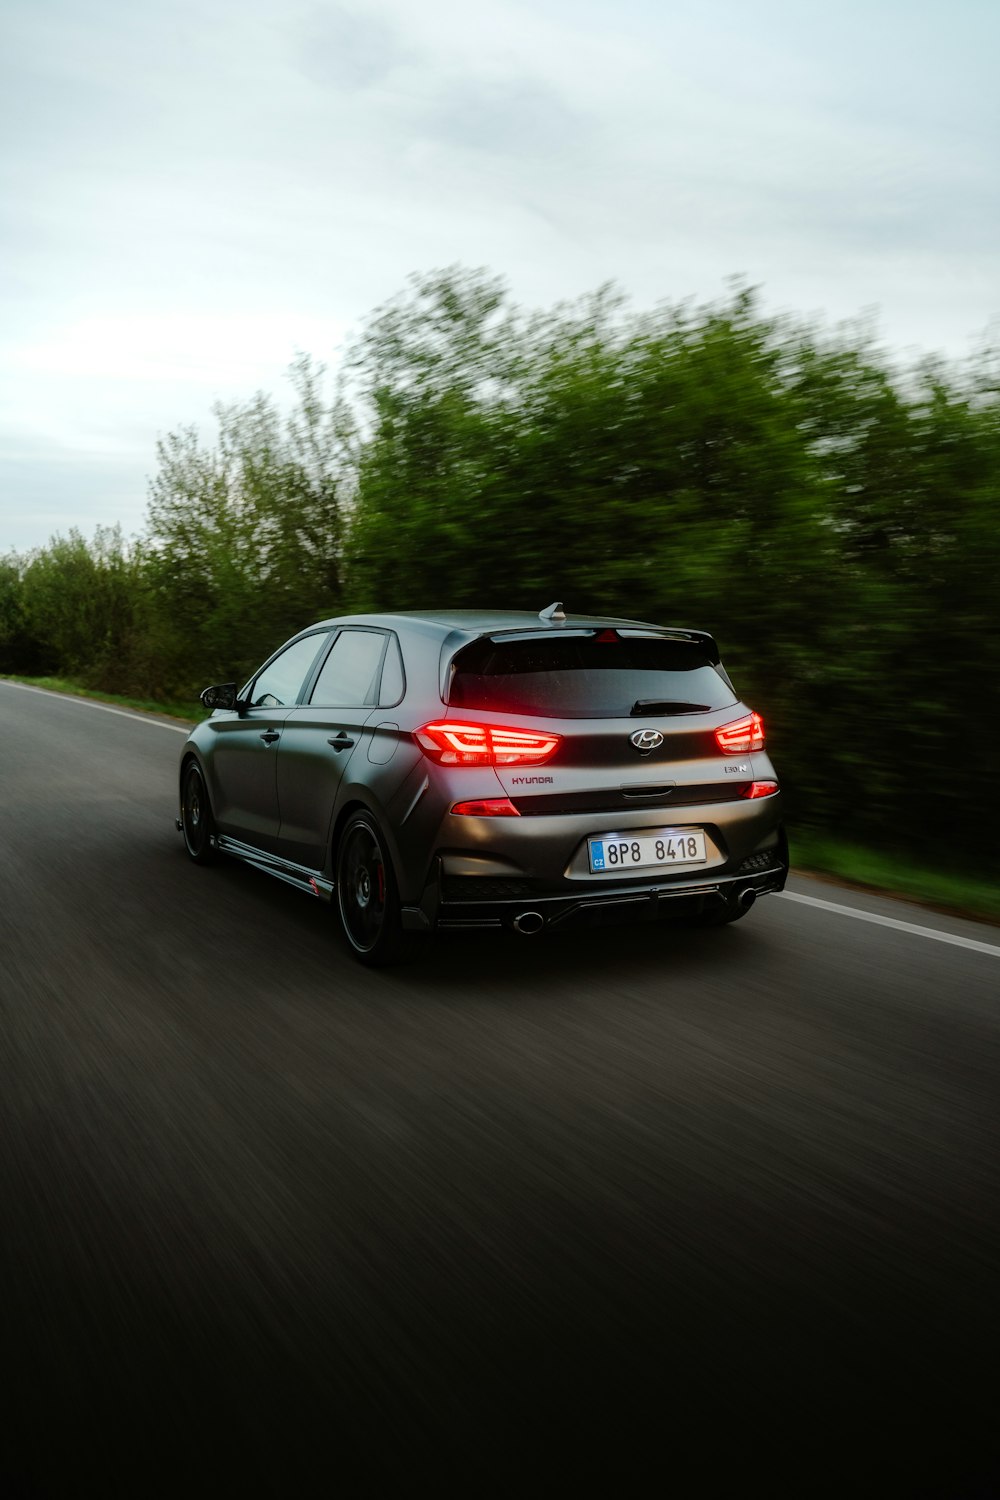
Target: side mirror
<point>223,695</point>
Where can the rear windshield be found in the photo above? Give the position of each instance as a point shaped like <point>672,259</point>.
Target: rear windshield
<point>598,677</point>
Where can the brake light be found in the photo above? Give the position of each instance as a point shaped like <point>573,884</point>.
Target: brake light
<point>484,745</point>
<point>487,807</point>
<point>761,789</point>
<point>742,736</point>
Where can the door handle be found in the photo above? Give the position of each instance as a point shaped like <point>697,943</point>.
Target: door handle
<point>341,741</point>
<point>269,736</point>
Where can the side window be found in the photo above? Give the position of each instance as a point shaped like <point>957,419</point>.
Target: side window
<point>350,672</point>
<point>279,684</point>
<point>391,690</point>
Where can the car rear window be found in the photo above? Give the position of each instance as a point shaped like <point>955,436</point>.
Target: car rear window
<point>606,675</point>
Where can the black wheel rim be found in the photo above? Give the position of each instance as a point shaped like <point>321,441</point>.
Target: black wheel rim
<point>361,887</point>
<point>194,812</point>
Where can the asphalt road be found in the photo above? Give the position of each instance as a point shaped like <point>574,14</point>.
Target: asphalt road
<point>721,1203</point>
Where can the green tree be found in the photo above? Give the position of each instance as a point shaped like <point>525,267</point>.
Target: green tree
<point>243,540</point>
<point>77,602</point>
<point>11,602</point>
<point>833,521</point>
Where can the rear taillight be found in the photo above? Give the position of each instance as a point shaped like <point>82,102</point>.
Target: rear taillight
<point>742,736</point>
<point>484,745</point>
<point>486,807</point>
<point>761,789</point>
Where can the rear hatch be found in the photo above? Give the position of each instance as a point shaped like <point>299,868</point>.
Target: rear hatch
<point>635,712</point>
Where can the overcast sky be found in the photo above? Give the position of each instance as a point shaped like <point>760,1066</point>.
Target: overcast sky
<point>191,192</point>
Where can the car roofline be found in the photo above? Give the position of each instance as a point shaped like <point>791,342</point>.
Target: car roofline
<point>474,624</point>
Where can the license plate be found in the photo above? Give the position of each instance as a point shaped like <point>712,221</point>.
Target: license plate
<point>614,853</point>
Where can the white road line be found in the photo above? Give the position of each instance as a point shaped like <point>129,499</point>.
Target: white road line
<point>103,708</point>
<point>843,911</point>
<point>911,927</point>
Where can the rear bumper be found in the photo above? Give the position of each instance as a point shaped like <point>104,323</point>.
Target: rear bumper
<point>602,903</point>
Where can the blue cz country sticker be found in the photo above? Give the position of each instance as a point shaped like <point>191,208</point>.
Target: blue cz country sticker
<point>597,855</point>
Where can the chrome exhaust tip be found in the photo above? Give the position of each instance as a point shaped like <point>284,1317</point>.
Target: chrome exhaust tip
<point>746,898</point>
<point>529,922</point>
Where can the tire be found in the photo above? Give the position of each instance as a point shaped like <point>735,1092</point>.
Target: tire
<point>197,823</point>
<point>367,895</point>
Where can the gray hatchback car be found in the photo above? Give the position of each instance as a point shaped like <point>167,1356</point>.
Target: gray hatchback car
<point>490,769</point>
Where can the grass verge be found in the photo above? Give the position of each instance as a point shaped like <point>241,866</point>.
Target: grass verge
<point>892,874</point>
<point>946,890</point>
<point>192,712</point>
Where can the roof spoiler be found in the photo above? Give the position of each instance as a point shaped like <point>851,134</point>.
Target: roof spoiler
<point>702,638</point>
<point>634,627</point>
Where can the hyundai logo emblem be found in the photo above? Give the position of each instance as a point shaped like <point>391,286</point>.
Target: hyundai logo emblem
<point>645,740</point>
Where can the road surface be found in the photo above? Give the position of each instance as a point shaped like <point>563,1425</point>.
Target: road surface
<point>720,1202</point>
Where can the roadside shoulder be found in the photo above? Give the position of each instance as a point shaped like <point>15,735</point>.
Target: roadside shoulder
<point>898,905</point>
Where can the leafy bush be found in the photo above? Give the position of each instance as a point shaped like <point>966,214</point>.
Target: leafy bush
<point>833,521</point>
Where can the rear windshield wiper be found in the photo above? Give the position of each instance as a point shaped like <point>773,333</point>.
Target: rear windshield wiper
<point>667,706</point>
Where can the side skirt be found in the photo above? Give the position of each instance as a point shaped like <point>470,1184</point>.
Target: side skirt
<point>304,879</point>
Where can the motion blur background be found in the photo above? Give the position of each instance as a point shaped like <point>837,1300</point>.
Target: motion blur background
<point>831,518</point>
<point>677,309</point>
<point>729,365</point>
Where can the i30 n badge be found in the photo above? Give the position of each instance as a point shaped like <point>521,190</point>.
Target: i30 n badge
<point>377,762</point>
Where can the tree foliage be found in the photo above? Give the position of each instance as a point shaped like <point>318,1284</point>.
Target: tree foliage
<point>77,603</point>
<point>834,521</point>
<point>244,539</point>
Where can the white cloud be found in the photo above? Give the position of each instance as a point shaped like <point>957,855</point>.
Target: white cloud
<point>197,349</point>
<point>188,194</point>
